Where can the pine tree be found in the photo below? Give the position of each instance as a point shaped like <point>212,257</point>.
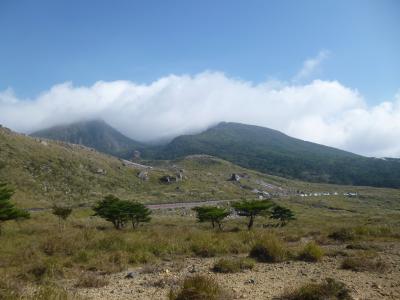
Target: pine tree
<point>251,209</point>
<point>212,214</point>
<point>7,210</point>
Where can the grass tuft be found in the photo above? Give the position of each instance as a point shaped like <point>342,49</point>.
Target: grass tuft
<point>233,265</point>
<point>91,280</point>
<point>199,287</point>
<point>311,252</point>
<point>270,249</point>
<point>328,289</point>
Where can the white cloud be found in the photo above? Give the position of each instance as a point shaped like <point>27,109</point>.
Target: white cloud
<point>311,66</point>
<point>321,111</point>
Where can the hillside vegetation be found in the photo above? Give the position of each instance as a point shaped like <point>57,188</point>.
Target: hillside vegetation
<point>273,152</point>
<point>44,172</point>
<point>95,134</point>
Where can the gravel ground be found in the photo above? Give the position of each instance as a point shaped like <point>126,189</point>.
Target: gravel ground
<point>265,281</point>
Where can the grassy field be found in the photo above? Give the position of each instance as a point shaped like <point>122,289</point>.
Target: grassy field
<point>39,255</point>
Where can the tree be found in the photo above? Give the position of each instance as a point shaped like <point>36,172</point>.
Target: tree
<point>212,214</point>
<point>119,212</point>
<point>251,209</point>
<point>7,209</point>
<point>282,214</point>
<point>112,209</point>
<point>62,213</point>
<point>136,212</point>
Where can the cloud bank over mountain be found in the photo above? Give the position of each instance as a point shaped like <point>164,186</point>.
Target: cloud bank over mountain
<point>325,112</point>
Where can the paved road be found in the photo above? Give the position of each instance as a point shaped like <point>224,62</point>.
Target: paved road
<point>153,206</point>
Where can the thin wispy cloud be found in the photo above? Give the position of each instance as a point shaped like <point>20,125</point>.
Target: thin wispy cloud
<point>311,66</point>
<point>325,112</point>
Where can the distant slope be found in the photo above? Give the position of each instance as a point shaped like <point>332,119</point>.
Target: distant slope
<point>44,172</point>
<point>273,152</point>
<point>96,134</point>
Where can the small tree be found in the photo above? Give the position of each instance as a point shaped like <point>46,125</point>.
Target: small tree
<point>136,212</point>
<point>283,214</point>
<point>62,213</point>
<point>7,209</point>
<point>212,214</point>
<point>112,209</point>
<point>251,209</point>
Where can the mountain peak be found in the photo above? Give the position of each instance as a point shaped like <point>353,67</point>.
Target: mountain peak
<point>95,133</point>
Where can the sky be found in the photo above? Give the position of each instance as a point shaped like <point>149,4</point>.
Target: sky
<point>323,71</point>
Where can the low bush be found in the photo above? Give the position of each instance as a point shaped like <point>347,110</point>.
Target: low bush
<point>270,249</point>
<point>233,265</point>
<point>91,280</point>
<point>343,235</point>
<point>328,289</point>
<point>199,287</point>
<point>364,264</point>
<point>311,252</point>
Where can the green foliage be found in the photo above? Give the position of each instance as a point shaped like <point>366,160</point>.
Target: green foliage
<point>199,287</point>
<point>328,289</point>
<point>233,265</point>
<point>311,252</point>
<point>7,209</point>
<point>119,212</point>
<point>251,209</point>
<point>62,212</point>
<point>137,213</point>
<point>283,214</point>
<point>275,153</point>
<point>212,214</point>
<point>112,209</point>
<point>270,249</point>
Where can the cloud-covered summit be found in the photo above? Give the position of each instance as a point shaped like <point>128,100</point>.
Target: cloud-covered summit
<point>325,112</point>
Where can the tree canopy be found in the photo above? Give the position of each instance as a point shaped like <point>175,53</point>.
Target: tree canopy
<point>282,214</point>
<point>119,212</point>
<point>212,214</point>
<point>252,208</point>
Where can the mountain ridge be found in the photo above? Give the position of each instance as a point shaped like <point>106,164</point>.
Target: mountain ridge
<point>96,134</point>
<point>273,152</point>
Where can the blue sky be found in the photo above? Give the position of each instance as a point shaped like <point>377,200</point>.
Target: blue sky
<point>43,43</point>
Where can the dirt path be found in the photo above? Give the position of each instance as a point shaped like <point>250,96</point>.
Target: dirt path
<point>173,205</point>
<point>265,281</point>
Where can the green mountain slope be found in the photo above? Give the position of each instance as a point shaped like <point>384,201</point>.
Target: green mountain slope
<point>275,153</point>
<point>95,134</point>
<point>45,172</point>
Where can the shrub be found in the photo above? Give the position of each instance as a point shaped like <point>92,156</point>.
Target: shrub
<point>329,289</point>
<point>199,287</point>
<point>343,235</point>
<point>233,265</point>
<point>270,249</point>
<point>311,252</point>
<point>363,264</point>
<point>91,280</point>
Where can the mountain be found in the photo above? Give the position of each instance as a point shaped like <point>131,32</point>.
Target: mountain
<point>95,134</point>
<point>44,172</point>
<point>273,152</point>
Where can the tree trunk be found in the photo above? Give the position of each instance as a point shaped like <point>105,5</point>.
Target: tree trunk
<point>213,224</point>
<point>219,225</point>
<point>251,222</point>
